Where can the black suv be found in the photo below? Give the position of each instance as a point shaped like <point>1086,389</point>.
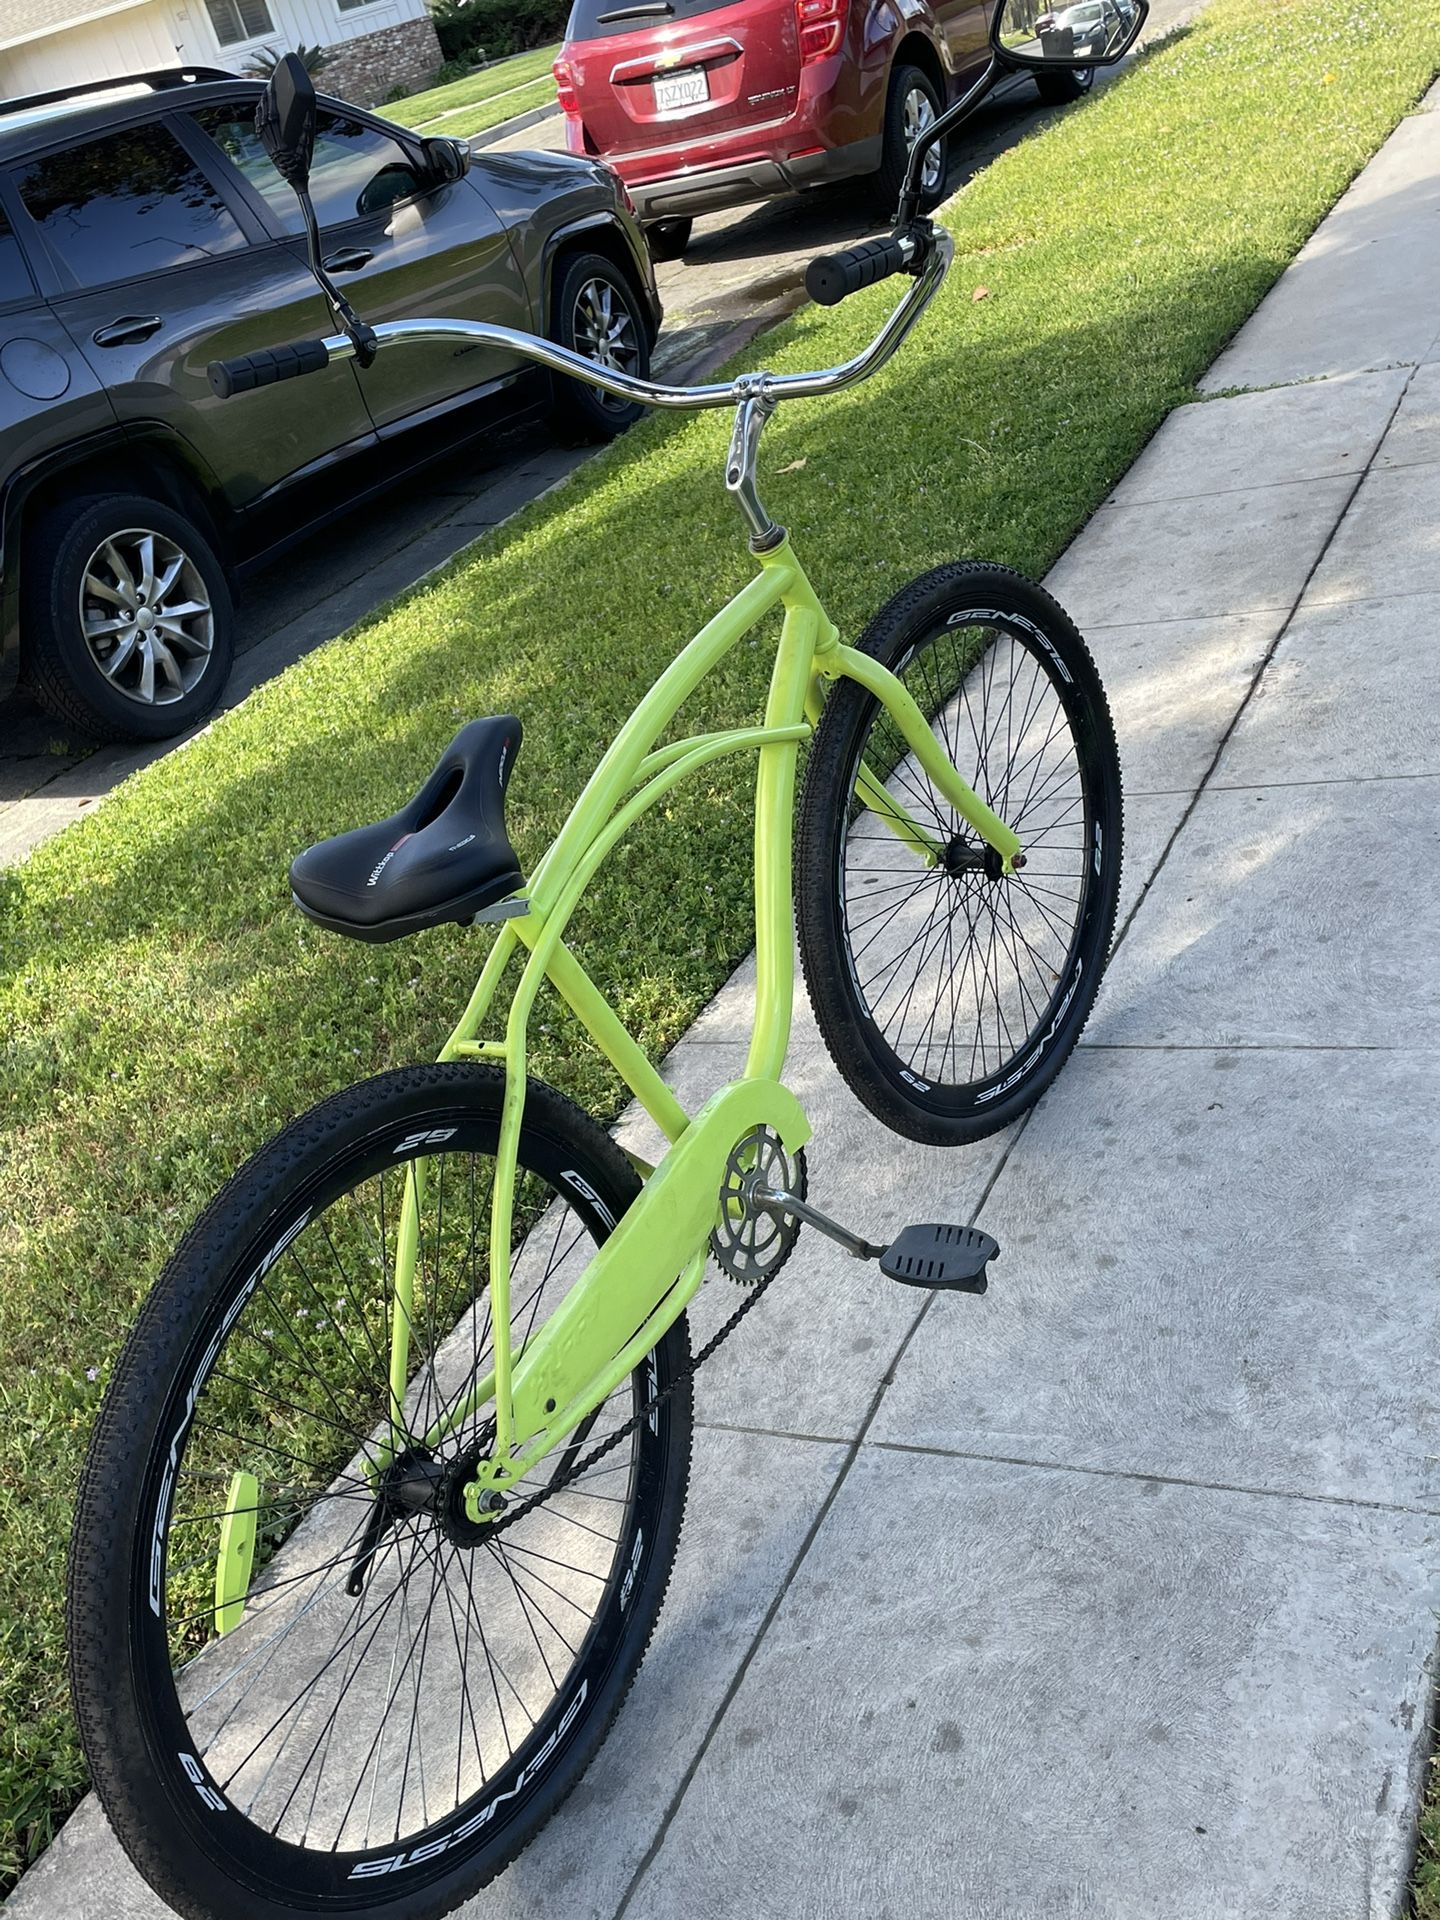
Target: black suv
<point>143,234</point>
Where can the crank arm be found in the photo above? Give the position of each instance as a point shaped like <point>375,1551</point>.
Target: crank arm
<point>778,1203</point>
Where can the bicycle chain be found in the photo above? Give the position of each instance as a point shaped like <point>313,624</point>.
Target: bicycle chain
<point>607,1445</point>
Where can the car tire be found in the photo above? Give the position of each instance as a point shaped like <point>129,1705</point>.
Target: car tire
<point>1059,87</point>
<point>595,311</point>
<point>85,572</point>
<point>910,105</point>
<point>668,239</point>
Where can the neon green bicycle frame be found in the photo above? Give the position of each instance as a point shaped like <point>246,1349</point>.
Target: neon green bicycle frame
<point>641,1278</point>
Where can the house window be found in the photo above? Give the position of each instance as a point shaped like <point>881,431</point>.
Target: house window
<point>349,6</point>
<point>237,20</point>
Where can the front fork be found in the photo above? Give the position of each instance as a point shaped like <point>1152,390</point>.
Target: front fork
<point>836,661</point>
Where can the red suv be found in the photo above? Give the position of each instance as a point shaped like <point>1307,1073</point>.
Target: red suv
<point>700,104</point>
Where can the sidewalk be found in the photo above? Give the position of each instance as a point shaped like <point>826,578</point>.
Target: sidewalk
<point>1114,1594</point>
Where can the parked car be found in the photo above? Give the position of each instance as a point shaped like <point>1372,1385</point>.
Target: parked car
<point>701,104</point>
<point>1087,28</point>
<point>143,233</point>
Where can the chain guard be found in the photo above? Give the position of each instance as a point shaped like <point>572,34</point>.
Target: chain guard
<point>747,1244</point>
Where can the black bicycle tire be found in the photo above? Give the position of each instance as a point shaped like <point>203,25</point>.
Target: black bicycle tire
<point>153,1814</point>
<point>865,1062</point>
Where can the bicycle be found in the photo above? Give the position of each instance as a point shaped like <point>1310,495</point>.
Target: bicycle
<point>382,1502</point>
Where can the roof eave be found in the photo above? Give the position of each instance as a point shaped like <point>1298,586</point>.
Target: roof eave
<point>63,26</point>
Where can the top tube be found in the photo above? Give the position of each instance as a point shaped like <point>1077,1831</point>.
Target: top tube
<point>770,387</point>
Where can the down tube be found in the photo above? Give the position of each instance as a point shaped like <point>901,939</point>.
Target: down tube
<point>774,844</point>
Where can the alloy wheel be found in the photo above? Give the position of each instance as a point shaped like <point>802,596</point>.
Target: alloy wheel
<point>604,330</point>
<point>918,118</point>
<point>146,617</point>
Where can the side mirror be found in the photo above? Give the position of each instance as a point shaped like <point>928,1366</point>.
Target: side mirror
<point>285,120</point>
<point>446,161</point>
<point>1030,34</point>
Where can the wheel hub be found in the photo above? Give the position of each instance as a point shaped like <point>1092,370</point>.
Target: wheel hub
<point>971,856</point>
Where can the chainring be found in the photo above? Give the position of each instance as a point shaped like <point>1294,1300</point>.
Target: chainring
<point>747,1244</point>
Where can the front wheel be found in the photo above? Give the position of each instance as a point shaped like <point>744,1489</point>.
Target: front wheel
<point>596,313</point>
<point>269,1736</point>
<point>128,626</point>
<point>949,992</point>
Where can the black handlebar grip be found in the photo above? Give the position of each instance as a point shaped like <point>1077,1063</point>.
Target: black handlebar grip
<point>229,377</point>
<point>834,276</point>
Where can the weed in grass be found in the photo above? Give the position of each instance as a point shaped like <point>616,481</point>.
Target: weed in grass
<point>163,1009</point>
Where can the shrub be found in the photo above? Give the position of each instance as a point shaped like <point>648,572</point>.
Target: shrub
<point>485,28</point>
<point>263,62</point>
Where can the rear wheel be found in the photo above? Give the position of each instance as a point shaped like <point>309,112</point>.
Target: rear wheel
<point>949,992</point>
<point>1059,87</point>
<point>266,1740</point>
<point>911,106</point>
<point>595,312</point>
<point>668,239</point>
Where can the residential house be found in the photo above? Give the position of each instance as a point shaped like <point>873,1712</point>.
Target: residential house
<point>375,45</point>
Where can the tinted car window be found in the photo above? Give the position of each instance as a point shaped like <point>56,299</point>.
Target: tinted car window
<point>15,282</point>
<point>357,169</point>
<point>132,203</point>
<point>595,19</point>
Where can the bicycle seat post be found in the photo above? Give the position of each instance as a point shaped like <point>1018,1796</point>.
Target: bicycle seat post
<point>755,407</point>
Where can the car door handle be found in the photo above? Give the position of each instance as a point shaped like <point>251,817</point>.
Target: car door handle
<point>350,260</point>
<point>128,331</point>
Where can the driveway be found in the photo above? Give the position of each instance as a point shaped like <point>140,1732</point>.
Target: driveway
<point>744,270</point>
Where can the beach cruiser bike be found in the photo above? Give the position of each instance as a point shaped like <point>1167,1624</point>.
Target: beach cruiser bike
<point>385,1492</point>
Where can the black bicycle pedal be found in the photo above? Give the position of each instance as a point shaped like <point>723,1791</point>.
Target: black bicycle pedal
<point>950,1257</point>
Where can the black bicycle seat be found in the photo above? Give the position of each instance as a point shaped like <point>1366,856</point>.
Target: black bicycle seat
<point>443,857</point>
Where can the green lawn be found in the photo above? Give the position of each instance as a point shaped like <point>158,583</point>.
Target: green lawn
<point>420,109</point>
<point>162,1007</point>
<point>489,113</point>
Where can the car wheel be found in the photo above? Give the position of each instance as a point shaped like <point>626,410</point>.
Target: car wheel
<point>127,622</point>
<point>911,106</point>
<point>595,312</point>
<point>1060,87</point>
<point>668,239</point>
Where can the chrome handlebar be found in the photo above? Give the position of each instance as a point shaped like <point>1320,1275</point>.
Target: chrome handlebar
<point>772,387</point>
<point>922,250</point>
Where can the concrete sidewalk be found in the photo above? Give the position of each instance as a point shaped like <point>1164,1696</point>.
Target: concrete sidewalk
<point>1113,1594</point>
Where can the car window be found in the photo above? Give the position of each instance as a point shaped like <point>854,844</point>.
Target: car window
<point>15,281</point>
<point>595,19</point>
<point>357,169</point>
<point>130,204</point>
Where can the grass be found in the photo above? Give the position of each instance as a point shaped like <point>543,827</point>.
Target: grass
<point>489,113</point>
<point>422,109</point>
<point>1426,1887</point>
<point>162,1007</point>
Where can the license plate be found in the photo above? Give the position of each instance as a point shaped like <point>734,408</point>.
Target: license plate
<point>681,90</point>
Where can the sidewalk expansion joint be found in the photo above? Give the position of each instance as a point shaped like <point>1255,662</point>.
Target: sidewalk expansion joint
<point>1320,780</point>
<point>1301,380</point>
<point>1158,1479</point>
<point>776,1433</point>
<point>1249,1046</point>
